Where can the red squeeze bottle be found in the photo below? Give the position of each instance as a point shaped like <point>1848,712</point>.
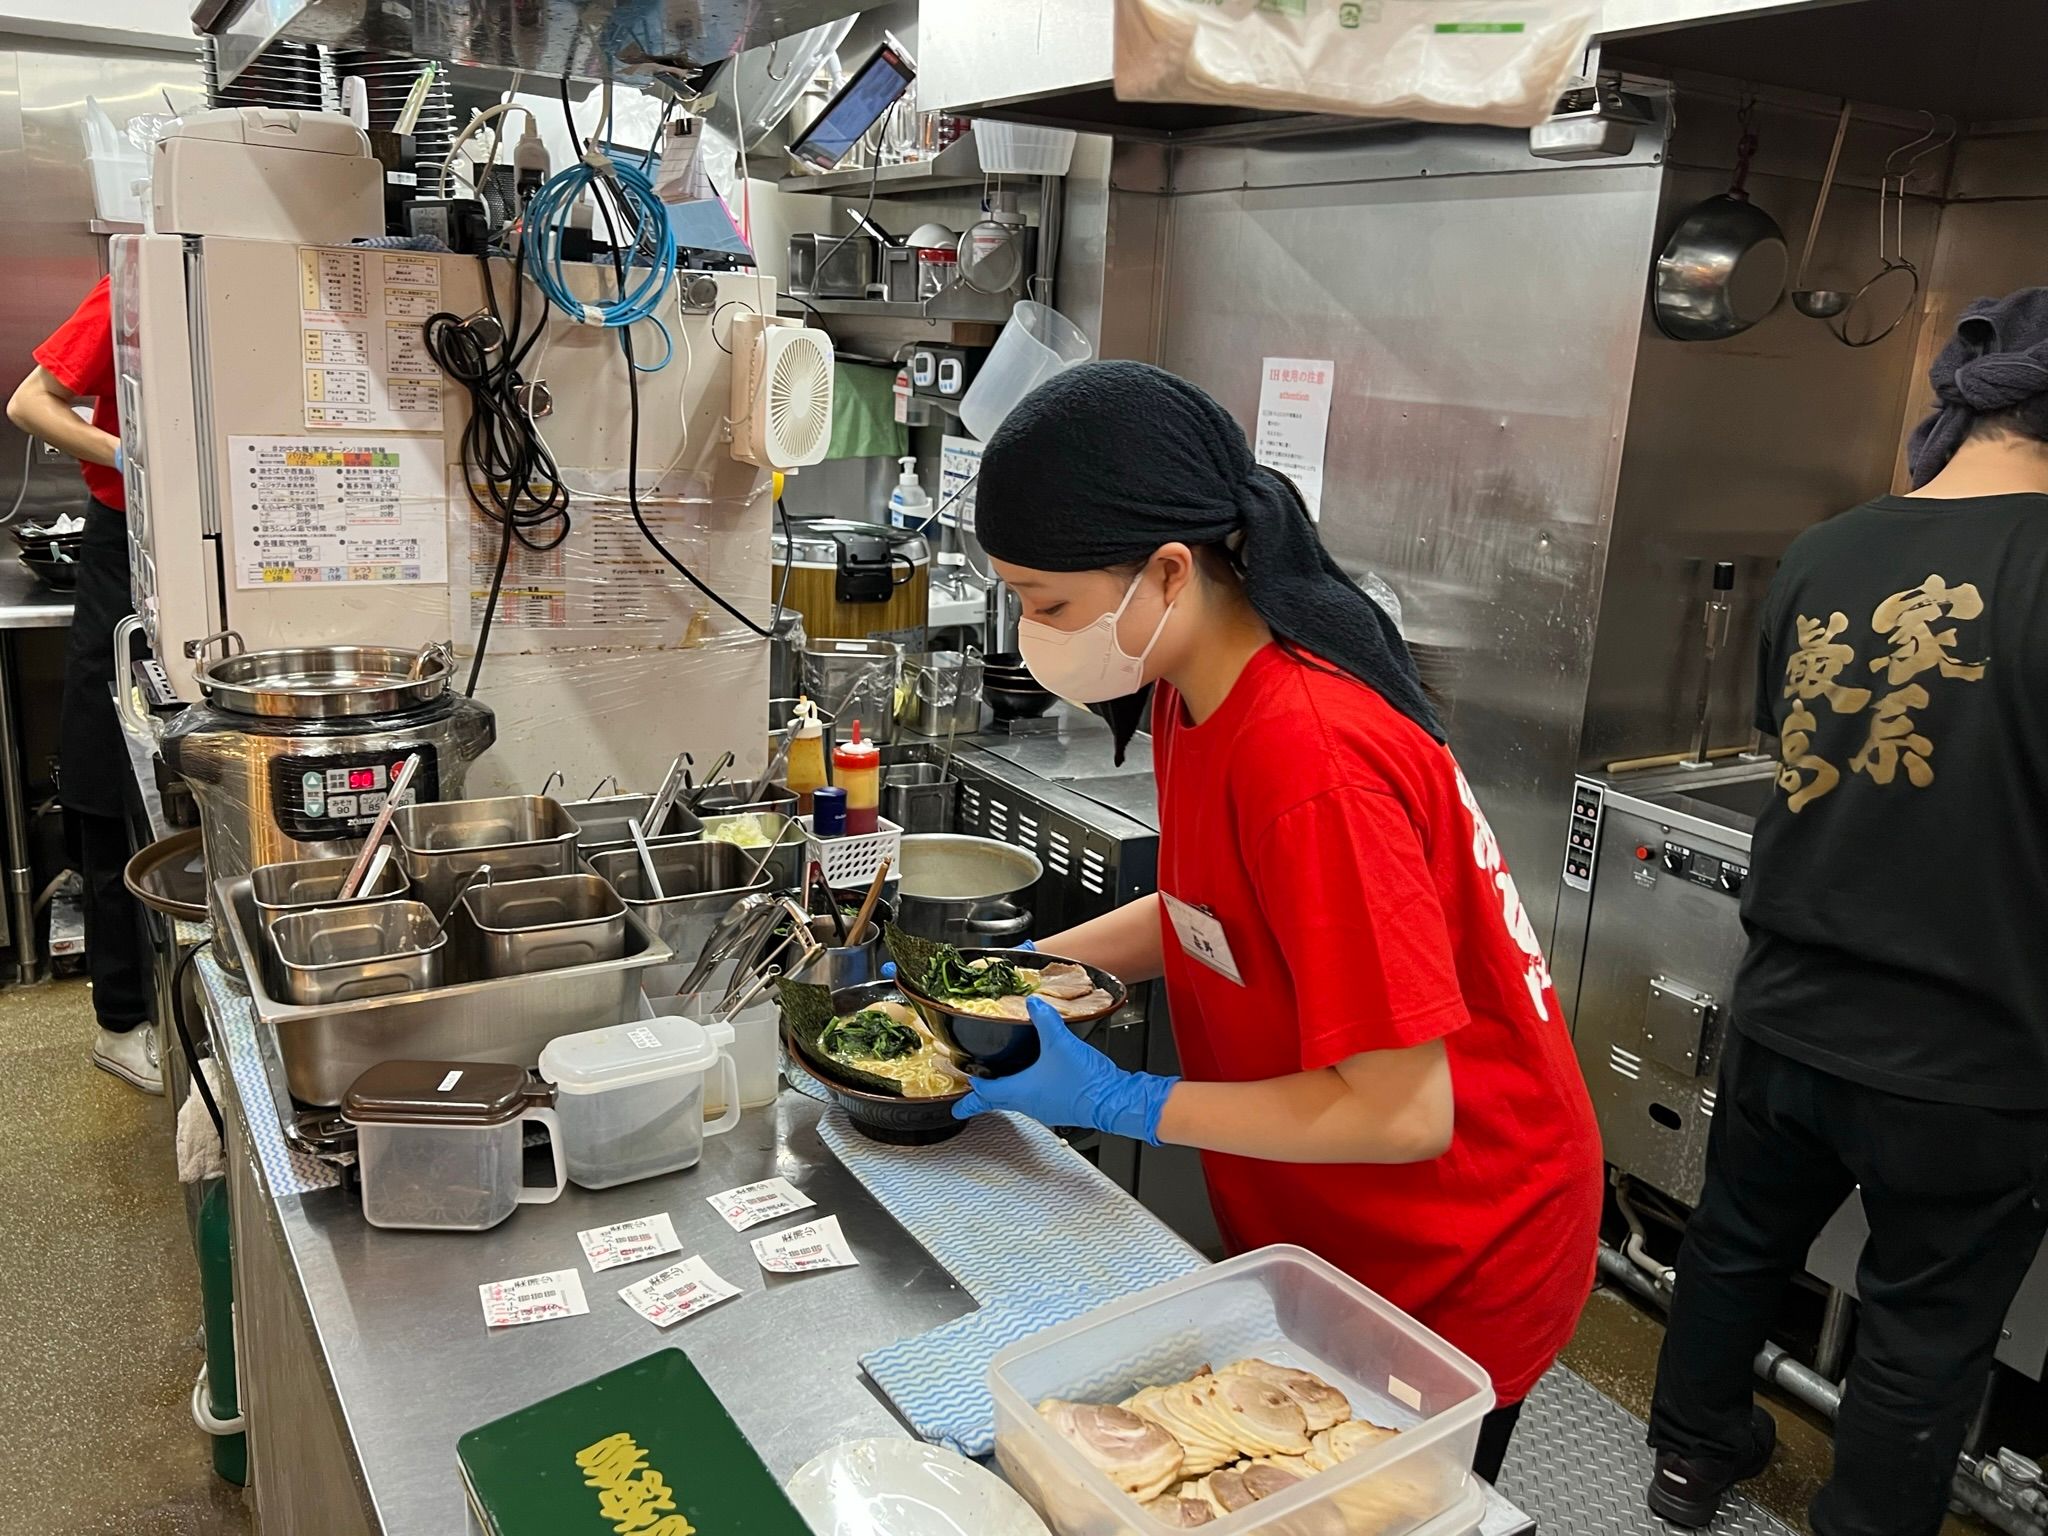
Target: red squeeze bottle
<point>857,769</point>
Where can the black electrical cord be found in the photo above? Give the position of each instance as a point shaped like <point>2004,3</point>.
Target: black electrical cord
<point>185,1036</point>
<point>507,471</point>
<point>647,532</point>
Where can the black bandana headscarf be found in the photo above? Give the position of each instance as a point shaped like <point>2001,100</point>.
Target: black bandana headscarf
<point>1106,462</point>
<point>1996,361</point>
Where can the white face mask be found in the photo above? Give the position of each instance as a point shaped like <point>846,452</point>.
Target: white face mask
<point>1088,665</point>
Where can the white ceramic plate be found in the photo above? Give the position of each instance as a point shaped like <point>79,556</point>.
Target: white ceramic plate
<point>906,1488</point>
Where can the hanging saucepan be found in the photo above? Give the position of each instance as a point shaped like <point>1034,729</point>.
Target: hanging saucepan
<point>1723,269</point>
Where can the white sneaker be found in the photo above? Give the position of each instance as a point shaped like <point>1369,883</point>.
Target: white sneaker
<point>131,1056</point>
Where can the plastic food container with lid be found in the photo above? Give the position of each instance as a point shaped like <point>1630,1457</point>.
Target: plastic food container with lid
<point>440,1143</point>
<point>1281,1304</point>
<point>631,1096</point>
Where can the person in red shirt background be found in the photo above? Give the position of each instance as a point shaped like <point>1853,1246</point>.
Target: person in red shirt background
<point>76,364</point>
<point>1376,1066</point>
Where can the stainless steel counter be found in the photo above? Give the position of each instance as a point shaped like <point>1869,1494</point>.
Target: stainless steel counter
<point>1080,757</point>
<point>26,603</point>
<point>397,1331</point>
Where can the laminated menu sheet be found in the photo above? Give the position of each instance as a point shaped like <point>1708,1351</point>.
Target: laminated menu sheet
<point>365,362</point>
<point>308,511</point>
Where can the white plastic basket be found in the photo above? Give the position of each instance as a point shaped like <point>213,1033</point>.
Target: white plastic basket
<point>854,860</point>
<point>1022,149</point>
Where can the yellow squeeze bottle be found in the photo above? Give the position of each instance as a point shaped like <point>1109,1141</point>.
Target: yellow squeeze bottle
<point>805,773</point>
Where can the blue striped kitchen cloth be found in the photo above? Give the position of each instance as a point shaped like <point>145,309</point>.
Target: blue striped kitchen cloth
<point>1034,1232</point>
<point>232,1018</point>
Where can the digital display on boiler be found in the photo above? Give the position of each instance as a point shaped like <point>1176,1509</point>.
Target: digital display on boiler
<point>362,778</point>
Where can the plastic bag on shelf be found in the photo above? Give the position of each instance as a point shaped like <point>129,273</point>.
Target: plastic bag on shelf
<point>1446,61</point>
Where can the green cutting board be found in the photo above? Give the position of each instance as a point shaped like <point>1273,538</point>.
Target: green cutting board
<point>647,1450</point>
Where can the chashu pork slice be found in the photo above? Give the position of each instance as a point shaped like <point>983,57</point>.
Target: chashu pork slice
<point>1322,1405</point>
<point>1138,1456</point>
<point>1344,1441</point>
<point>1181,1513</point>
<point>1255,1416</point>
<point>1179,1410</point>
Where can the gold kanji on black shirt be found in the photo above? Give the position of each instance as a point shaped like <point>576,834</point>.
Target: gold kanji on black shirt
<point>1905,622</point>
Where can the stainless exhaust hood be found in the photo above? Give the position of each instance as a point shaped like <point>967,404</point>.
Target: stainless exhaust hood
<point>544,39</point>
<point>1050,62</point>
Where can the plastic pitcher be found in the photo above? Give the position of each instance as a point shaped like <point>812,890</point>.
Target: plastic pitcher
<point>1037,343</point>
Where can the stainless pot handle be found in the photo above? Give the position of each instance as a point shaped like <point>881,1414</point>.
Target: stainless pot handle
<point>1000,927</point>
<point>133,720</point>
<point>194,649</point>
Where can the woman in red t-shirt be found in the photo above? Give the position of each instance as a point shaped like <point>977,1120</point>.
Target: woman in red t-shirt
<point>1375,1064</point>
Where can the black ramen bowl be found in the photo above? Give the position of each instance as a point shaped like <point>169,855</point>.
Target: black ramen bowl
<point>999,1047</point>
<point>1017,703</point>
<point>881,1116</point>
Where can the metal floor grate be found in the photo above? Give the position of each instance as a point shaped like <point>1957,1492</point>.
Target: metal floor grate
<point>1578,1465</point>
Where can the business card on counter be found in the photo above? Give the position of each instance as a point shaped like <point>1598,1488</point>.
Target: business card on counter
<point>533,1299</point>
<point>680,1291</point>
<point>752,1204</point>
<point>814,1245</point>
<point>630,1242</point>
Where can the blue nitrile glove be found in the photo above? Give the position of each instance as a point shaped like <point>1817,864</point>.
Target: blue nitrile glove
<point>120,457</point>
<point>889,966</point>
<point>1072,1083</point>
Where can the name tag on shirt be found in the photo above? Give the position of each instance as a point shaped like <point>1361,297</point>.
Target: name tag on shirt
<point>1201,937</point>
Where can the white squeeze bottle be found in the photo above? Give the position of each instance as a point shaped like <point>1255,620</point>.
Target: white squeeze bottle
<point>908,503</point>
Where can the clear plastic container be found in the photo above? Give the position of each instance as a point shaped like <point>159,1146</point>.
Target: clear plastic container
<point>439,1143</point>
<point>756,1048</point>
<point>631,1096</point>
<point>1023,149</point>
<point>1281,1304</point>
<point>1036,343</point>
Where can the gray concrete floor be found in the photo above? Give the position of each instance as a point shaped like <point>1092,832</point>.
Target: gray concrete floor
<point>99,1295</point>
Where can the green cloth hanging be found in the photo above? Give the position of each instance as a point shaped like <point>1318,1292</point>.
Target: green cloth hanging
<point>864,423</point>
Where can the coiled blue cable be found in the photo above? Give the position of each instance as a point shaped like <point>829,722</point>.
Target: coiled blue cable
<point>645,282</point>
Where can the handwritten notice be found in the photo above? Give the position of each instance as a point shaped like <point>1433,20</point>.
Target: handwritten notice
<point>1294,422</point>
<point>533,1299</point>
<point>630,1242</point>
<point>680,1291</point>
<point>814,1245</point>
<point>751,1204</point>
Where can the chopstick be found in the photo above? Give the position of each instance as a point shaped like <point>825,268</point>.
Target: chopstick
<point>400,788</point>
<point>867,908</point>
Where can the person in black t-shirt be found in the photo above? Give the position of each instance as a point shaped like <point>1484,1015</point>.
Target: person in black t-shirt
<point>1891,1014</point>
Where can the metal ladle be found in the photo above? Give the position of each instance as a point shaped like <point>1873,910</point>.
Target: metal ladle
<point>1891,236</point>
<point>1822,303</point>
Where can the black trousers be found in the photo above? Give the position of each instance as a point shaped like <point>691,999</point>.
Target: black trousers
<point>1955,1200</point>
<point>92,767</point>
<point>1495,1431</point>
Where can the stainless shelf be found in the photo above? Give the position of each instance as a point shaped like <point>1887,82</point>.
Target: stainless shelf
<point>957,165</point>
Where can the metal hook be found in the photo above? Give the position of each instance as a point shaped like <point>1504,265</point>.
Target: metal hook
<point>548,783</point>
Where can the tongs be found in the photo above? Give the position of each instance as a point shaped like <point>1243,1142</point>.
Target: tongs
<point>401,786</point>
<point>696,796</point>
<point>665,794</point>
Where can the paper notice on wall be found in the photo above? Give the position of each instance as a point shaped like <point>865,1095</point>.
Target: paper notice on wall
<point>959,465</point>
<point>318,511</point>
<point>365,362</point>
<point>603,584</point>
<point>1294,422</point>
